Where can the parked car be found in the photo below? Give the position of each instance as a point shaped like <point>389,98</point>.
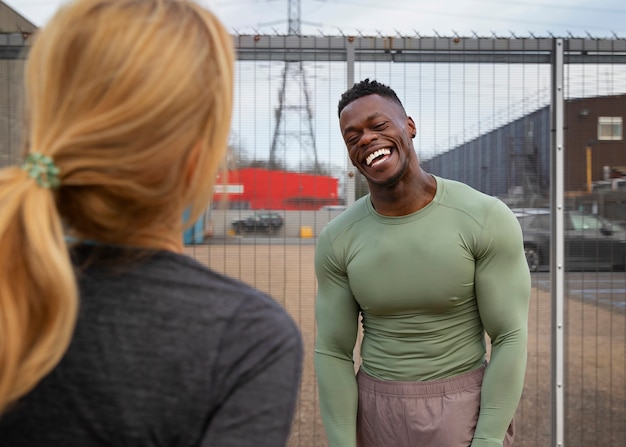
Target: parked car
<point>333,208</point>
<point>263,222</point>
<point>590,242</point>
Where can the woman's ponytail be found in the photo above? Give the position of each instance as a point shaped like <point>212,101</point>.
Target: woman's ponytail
<point>38,296</point>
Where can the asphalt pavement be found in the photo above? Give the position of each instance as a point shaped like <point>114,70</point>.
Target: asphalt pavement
<point>604,288</point>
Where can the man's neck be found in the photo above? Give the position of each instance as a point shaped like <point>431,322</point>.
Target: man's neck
<point>405,197</point>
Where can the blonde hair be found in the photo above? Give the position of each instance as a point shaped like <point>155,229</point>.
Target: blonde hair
<point>132,100</point>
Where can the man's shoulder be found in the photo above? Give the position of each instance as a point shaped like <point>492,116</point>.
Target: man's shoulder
<point>459,190</point>
<point>354,214</point>
<point>464,198</point>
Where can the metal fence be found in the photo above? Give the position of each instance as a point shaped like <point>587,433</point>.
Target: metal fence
<point>525,119</point>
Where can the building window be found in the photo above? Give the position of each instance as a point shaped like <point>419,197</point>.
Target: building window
<point>610,128</point>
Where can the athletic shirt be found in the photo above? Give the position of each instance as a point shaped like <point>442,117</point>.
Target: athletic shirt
<point>428,286</point>
<point>166,352</point>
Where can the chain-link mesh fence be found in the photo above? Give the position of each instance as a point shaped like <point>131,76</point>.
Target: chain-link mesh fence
<point>485,114</point>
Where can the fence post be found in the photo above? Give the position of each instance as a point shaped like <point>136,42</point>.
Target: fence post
<point>557,173</point>
<point>350,170</point>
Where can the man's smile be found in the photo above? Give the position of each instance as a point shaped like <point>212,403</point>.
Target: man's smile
<point>377,157</point>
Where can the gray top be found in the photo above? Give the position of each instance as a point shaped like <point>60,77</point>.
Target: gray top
<point>166,353</point>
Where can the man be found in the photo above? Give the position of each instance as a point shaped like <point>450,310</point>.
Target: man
<point>430,265</point>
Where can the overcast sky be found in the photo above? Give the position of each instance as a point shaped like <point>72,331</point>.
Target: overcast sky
<point>452,107</point>
<point>521,18</point>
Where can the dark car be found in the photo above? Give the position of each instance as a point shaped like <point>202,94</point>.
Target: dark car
<point>591,243</point>
<point>260,222</point>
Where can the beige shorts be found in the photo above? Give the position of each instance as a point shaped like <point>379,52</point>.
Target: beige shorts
<point>435,413</point>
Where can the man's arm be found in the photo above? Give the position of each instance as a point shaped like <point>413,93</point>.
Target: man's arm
<point>336,314</point>
<point>502,282</point>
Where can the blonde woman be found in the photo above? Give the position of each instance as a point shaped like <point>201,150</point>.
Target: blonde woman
<point>120,339</point>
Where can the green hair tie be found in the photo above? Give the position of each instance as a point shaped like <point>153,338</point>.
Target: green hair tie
<point>42,169</point>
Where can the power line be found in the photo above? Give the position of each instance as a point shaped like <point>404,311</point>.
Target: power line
<point>565,7</point>
<point>407,10</point>
<point>500,3</point>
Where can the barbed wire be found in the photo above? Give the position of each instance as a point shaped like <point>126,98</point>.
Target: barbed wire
<point>434,34</point>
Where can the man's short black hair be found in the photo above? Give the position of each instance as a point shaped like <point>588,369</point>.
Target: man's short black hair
<point>366,88</point>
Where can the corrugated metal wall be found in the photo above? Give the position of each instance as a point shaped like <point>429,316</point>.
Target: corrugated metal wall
<point>512,160</point>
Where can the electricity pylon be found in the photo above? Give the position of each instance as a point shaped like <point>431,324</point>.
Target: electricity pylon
<point>294,115</point>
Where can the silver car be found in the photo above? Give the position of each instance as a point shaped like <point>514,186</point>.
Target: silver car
<point>591,243</point>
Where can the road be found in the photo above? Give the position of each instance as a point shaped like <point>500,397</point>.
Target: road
<point>259,239</point>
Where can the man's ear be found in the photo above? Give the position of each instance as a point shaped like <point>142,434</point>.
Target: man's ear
<point>412,126</point>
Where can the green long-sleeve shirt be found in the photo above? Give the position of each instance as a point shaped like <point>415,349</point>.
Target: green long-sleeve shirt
<point>428,285</point>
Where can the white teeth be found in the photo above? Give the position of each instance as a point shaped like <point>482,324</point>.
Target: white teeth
<point>376,154</point>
